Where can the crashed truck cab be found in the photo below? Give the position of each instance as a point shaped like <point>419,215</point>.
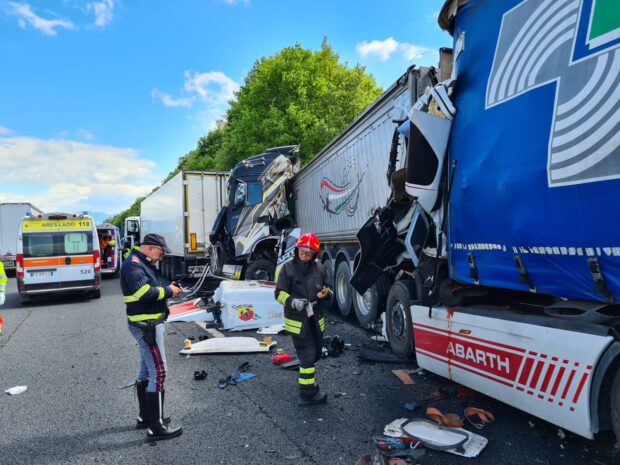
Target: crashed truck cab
<point>246,233</point>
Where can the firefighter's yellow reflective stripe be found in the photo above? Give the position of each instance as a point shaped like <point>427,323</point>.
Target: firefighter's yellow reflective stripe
<point>292,322</point>
<point>145,317</point>
<point>322,324</point>
<point>136,295</point>
<point>306,381</point>
<point>162,293</point>
<point>292,326</point>
<point>306,371</point>
<point>282,296</point>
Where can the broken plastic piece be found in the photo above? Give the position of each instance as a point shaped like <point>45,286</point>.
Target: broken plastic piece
<point>200,374</point>
<point>273,329</point>
<point>283,358</point>
<point>410,406</point>
<point>228,345</point>
<point>16,390</point>
<point>403,375</point>
<point>243,377</point>
<point>432,435</point>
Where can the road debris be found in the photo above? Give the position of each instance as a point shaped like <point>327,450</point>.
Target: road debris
<point>15,390</point>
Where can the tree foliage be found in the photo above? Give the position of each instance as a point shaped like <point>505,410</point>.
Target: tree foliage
<point>297,96</point>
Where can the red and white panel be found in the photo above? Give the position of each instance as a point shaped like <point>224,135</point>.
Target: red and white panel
<point>544,371</point>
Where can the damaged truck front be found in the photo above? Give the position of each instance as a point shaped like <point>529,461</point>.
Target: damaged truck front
<point>499,232</point>
<point>246,232</point>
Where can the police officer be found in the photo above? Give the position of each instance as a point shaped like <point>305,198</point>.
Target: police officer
<point>145,296</point>
<point>302,289</point>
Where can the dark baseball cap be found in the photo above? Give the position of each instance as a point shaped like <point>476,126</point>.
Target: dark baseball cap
<point>156,239</point>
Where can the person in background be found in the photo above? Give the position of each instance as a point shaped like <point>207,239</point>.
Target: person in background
<point>145,296</point>
<point>302,290</point>
<point>3,281</point>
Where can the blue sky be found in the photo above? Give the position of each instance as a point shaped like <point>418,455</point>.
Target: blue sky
<point>99,99</point>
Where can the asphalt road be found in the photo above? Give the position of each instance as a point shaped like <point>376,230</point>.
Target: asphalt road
<point>73,353</point>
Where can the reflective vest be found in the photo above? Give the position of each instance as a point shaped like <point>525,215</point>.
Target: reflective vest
<point>3,278</point>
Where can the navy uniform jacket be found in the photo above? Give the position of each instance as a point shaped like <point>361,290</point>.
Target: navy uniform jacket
<point>144,290</point>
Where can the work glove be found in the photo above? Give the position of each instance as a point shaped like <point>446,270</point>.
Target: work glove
<point>299,304</point>
<point>1,298</point>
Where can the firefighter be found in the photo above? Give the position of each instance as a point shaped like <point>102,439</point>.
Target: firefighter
<point>3,281</point>
<point>302,289</point>
<point>145,296</point>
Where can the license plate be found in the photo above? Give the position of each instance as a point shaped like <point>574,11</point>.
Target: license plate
<point>41,274</point>
<point>9,263</point>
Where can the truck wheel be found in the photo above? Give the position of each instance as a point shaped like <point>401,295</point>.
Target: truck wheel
<point>261,270</point>
<point>343,292</point>
<point>615,406</point>
<point>329,277</point>
<point>370,305</point>
<point>25,299</point>
<point>96,294</point>
<point>398,318</point>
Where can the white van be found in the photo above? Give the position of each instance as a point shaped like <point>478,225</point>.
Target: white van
<point>57,252</point>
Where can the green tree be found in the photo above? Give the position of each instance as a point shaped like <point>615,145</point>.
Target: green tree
<point>295,97</point>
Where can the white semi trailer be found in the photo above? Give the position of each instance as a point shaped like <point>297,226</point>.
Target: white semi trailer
<point>182,211</point>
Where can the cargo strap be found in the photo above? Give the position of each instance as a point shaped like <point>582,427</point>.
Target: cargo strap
<point>599,281</point>
<point>523,276</point>
<point>448,419</point>
<point>477,417</point>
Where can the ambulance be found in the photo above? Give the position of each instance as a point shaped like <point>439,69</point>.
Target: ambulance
<point>58,253</point>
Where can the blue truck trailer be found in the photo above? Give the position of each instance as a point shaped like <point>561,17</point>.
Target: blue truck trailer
<point>507,277</point>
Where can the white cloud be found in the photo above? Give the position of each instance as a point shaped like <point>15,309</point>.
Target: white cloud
<point>212,87</point>
<point>4,131</point>
<point>86,135</point>
<point>104,12</point>
<point>384,49</point>
<point>47,26</point>
<point>170,101</point>
<point>73,176</point>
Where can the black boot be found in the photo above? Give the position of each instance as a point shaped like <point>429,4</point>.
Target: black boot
<point>311,395</point>
<point>143,417</point>
<point>156,429</point>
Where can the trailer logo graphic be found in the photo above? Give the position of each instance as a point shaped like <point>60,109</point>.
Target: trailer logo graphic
<point>245,312</point>
<point>337,198</point>
<point>574,44</point>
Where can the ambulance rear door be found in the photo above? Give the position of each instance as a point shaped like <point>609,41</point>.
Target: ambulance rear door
<point>39,239</point>
<point>75,248</point>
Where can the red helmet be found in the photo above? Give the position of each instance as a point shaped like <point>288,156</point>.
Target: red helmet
<point>309,241</point>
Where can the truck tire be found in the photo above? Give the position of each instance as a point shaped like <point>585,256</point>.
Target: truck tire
<point>370,305</point>
<point>25,299</point>
<point>615,406</point>
<point>329,277</point>
<point>96,294</point>
<point>343,290</point>
<point>261,270</point>
<point>398,318</point>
